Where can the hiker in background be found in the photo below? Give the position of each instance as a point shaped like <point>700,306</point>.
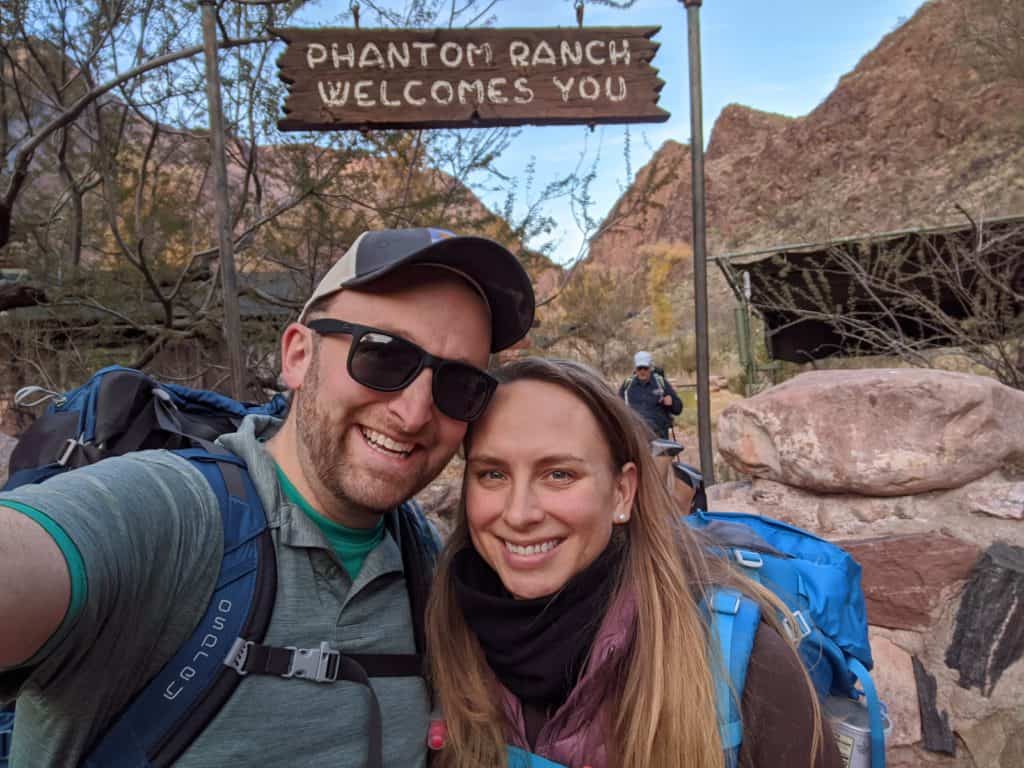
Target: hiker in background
<point>106,569</point>
<point>650,394</point>
<point>571,588</point>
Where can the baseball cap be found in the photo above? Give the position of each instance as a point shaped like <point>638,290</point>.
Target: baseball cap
<point>642,360</point>
<point>489,267</point>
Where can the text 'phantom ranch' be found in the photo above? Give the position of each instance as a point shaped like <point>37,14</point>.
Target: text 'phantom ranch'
<point>363,86</point>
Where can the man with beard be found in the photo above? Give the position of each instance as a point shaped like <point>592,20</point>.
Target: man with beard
<point>106,570</point>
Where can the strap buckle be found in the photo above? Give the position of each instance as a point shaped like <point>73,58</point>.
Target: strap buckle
<point>803,627</point>
<point>748,559</point>
<point>70,446</point>
<point>237,655</point>
<point>320,665</point>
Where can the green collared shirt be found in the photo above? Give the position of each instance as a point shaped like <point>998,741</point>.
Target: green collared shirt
<point>351,545</point>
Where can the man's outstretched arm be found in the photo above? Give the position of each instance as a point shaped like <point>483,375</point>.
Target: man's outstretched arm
<point>35,586</point>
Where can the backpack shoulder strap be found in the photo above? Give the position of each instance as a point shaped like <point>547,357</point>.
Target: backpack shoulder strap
<point>172,709</point>
<point>420,549</point>
<point>660,381</point>
<point>733,619</point>
<point>626,387</point>
<point>6,733</point>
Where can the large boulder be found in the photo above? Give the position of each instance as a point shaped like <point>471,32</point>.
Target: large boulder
<point>875,432</point>
<point>966,513</point>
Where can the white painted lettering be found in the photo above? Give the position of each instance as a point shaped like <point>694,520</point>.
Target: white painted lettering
<point>407,93</point>
<point>494,86</point>
<point>590,89</point>
<point>442,92</point>
<point>423,48</point>
<point>348,58</point>
<point>224,606</point>
<point>210,640</point>
<point>451,55</point>
<point>362,97</point>
<point>199,655</point>
<point>172,690</point>
<point>218,622</point>
<point>572,53</point>
<point>384,96</point>
<point>519,53</point>
<point>524,93</point>
<point>187,673</point>
<point>398,56</point>
<point>336,94</point>
<point>615,55</point>
<point>474,87</point>
<point>621,95</point>
<point>371,57</point>
<point>315,54</point>
<point>543,54</point>
<point>473,50</point>
<point>563,87</point>
<point>590,53</point>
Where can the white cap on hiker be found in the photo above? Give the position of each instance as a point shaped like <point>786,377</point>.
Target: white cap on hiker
<point>642,360</point>
<point>489,267</point>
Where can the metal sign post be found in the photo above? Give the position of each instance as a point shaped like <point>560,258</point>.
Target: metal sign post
<point>229,283</point>
<point>700,264</point>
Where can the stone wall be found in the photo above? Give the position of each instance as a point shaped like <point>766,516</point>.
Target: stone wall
<point>920,475</point>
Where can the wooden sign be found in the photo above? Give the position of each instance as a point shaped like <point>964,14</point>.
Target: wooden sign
<point>460,78</point>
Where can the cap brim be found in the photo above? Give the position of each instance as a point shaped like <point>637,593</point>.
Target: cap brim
<point>505,283</point>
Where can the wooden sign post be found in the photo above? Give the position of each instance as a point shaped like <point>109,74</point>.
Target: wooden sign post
<point>463,78</point>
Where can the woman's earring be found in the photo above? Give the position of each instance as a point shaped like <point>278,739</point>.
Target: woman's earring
<point>622,517</point>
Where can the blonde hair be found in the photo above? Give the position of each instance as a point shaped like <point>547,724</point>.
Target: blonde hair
<point>656,720</point>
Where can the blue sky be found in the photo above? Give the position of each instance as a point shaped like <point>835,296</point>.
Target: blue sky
<point>775,55</point>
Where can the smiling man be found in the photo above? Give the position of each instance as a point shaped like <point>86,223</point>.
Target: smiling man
<point>107,569</point>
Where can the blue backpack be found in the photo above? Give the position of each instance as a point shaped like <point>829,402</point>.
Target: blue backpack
<point>121,410</point>
<point>820,584</point>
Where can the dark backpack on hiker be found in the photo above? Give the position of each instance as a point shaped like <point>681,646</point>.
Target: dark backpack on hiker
<point>821,586</point>
<point>121,410</point>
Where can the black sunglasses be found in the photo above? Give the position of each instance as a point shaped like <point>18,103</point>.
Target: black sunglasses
<point>387,363</point>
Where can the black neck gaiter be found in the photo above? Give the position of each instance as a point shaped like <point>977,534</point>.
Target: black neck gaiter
<point>536,647</point>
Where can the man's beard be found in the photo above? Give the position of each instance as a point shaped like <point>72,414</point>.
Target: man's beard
<point>321,448</point>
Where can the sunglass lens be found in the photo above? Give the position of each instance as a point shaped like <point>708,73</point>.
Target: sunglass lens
<point>461,391</point>
<point>383,362</point>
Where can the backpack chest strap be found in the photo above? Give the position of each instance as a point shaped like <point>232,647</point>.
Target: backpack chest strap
<point>320,665</point>
<point>326,665</point>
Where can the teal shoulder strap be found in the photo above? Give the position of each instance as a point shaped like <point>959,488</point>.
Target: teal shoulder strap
<point>733,620</point>
<point>520,758</point>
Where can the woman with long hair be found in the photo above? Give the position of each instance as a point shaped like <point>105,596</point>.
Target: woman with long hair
<point>566,617</point>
